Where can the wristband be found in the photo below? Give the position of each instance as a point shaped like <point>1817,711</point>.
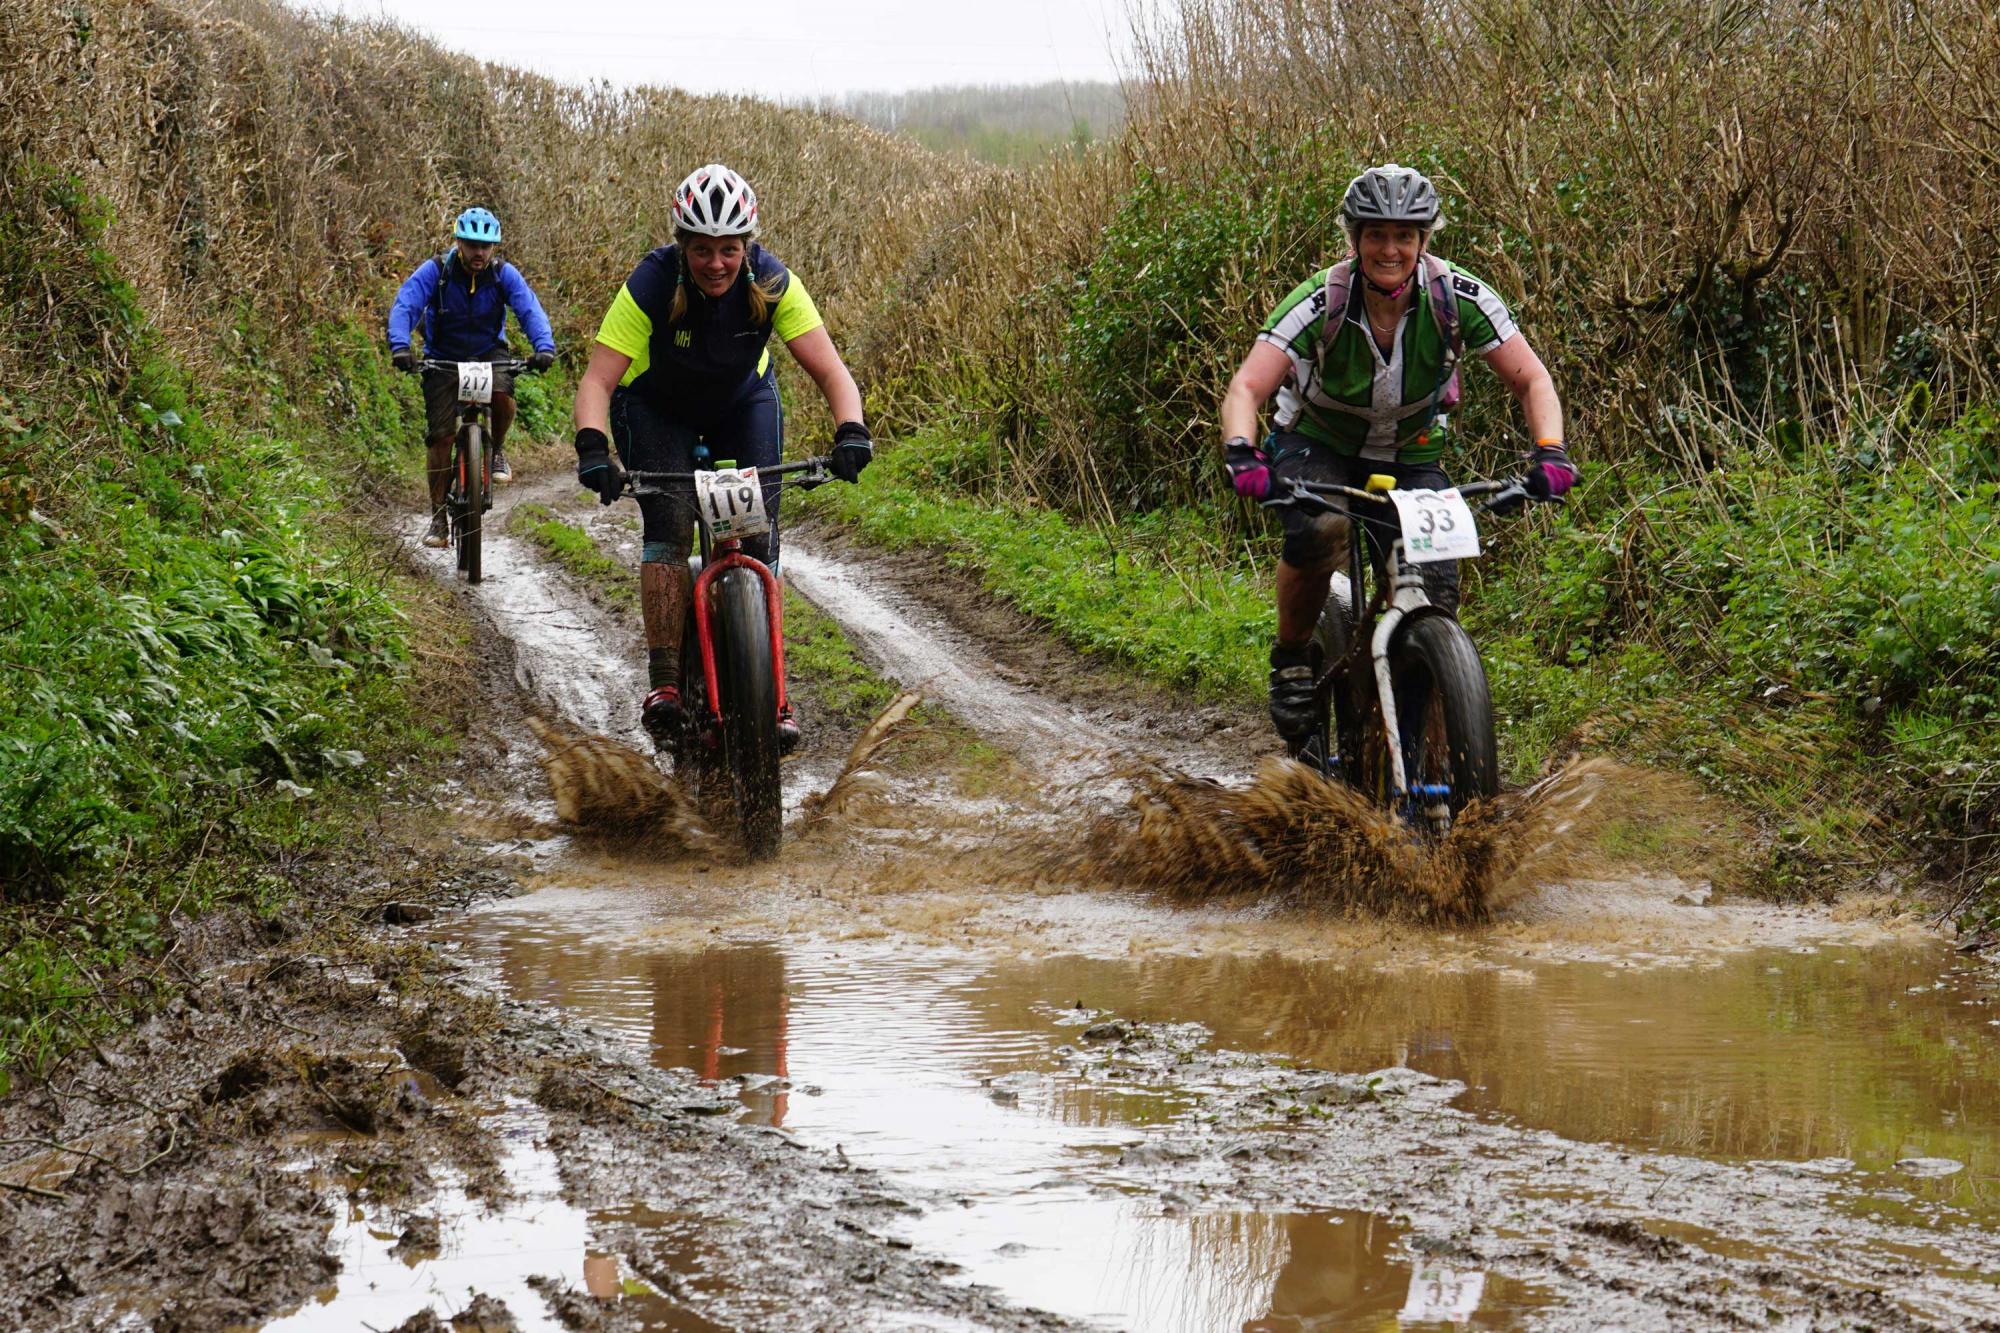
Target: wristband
<point>589,437</point>
<point>849,430</point>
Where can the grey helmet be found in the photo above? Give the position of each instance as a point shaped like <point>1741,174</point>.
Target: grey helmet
<point>1390,193</point>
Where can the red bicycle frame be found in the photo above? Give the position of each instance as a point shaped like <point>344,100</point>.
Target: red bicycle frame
<point>728,554</point>
<point>731,557</point>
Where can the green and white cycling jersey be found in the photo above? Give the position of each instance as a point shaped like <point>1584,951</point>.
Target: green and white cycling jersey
<point>1376,392</point>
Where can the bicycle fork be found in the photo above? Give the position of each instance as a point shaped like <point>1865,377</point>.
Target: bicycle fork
<point>774,617</point>
<point>1429,801</point>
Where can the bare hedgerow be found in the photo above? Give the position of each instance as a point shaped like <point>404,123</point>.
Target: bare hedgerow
<point>293,168</point>
<point>1744,214</point>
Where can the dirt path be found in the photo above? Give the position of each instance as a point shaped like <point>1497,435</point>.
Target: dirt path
<point>892,1081</point>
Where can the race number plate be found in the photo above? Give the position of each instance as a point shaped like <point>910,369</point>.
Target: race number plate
<point>1437,525</point>
<point>732,502</point>
<point>475,381</point>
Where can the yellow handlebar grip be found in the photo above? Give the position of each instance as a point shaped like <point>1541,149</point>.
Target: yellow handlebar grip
<point>1380,483</point>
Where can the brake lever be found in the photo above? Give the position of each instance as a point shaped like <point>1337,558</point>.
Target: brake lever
<point>1507,500</point>
<point>1297,496</point>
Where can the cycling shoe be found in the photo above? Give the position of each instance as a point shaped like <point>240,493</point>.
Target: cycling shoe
<point>661,715</point>
<point>1292,706</point>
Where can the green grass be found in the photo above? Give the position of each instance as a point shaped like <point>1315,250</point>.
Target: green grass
<point>201,662</point>
<point>568,545</point>
<point>1158,594</point>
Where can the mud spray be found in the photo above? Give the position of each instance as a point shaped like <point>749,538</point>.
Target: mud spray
<point>610,788</point>
<point>1314,842</point>
<point>1289,834</point>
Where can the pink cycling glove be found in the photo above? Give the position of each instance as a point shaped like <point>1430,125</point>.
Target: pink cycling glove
<point>1249,468</point>
<point>1550,473</point>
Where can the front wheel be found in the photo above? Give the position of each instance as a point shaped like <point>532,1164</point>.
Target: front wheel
<point>472,482</point>
<point>1446,718</point>
<point>747,680</point>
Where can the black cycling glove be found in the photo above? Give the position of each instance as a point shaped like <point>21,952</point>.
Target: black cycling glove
<point>403,358</point>
<point>594,468</point>
<point>542,360</point>
<point>852,450</point>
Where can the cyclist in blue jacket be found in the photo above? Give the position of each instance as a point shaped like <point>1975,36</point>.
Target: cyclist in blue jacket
<point>459,299</point>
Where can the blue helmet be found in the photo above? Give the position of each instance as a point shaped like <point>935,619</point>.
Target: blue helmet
<point>476,224</point>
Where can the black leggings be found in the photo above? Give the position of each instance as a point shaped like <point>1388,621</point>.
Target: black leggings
<point>750,431</point>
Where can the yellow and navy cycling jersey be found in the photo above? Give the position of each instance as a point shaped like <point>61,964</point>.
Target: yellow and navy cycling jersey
<point>704,362</point>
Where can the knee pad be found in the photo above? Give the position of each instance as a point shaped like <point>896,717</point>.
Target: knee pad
<point>656,553</point>
<point>1318,544</point>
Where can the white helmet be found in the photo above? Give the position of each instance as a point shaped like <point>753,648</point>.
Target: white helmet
<point>715,201</point>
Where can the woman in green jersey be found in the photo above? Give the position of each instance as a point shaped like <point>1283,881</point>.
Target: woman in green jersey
<point>1363,358</point>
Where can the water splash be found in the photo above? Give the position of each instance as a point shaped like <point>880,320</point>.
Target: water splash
<point>857,780</point>
<point>611,788</point>
<point>1309,841</point>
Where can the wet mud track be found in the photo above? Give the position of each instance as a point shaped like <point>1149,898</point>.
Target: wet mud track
<point>888,1080</point>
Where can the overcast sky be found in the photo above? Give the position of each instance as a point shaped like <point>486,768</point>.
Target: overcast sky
<point>783,50</point>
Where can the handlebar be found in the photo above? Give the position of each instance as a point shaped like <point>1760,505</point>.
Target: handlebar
<point>810,472</point>
<point>1503,494</point>
<point>510,366</point>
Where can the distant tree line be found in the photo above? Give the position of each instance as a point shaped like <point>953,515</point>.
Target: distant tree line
<point>1012,125</point>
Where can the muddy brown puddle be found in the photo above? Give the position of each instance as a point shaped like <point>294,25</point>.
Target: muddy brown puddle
<point>951,1070</point>
<point>480,1249</point>
<point>942,1071</point>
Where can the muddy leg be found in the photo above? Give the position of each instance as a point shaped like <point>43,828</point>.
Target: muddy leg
<point>1301,594</point>
<point>503,417</point>
<point>663,599</point>
<point>438,467</point>
<point>1304,574</point>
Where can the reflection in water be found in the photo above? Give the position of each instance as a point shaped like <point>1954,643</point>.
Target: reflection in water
<point>500,1252</point>
<point>931,1066</point>
<point>727,1015</point>
<point>1344,1270</point>
<point>1876,1056</point>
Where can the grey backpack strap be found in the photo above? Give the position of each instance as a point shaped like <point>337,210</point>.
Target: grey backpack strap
<point>1444,313</point>
<point>1338,292</point>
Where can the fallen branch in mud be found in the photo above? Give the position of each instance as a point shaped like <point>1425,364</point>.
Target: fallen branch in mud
<point>35,1190</point>
<point>172,1120</point>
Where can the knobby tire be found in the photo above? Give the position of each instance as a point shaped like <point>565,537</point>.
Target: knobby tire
<point>472,462</point>
<point>1343,718</point>
<point>1444,710</point>
<point>748,682</point>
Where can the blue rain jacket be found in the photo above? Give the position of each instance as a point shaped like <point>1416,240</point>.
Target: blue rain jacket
<point>464,315</point>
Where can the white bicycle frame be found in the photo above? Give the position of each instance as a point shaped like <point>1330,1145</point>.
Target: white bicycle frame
<point>1407,596</point>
